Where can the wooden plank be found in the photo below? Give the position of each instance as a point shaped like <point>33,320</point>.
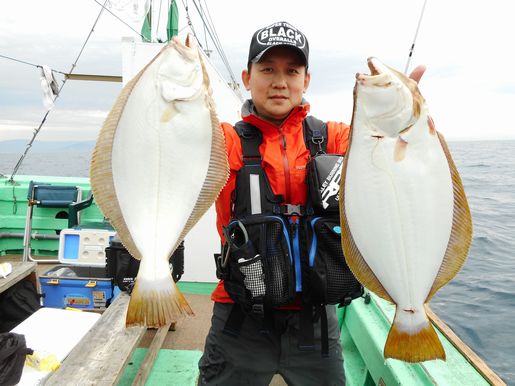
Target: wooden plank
<point>150,357</point>
<point>93,77</point>
<point>490,376</point>
<point>20,271</point>
<point>100,357</point>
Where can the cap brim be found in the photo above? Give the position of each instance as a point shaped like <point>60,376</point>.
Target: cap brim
<point>258,57</point>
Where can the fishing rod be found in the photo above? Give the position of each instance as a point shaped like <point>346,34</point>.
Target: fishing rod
<point>415,38</point>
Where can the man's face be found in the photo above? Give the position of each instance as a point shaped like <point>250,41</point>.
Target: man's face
<point>276,83</point>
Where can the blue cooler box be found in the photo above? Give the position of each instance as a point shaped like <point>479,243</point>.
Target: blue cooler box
<point>78,287</point>
<point>81,280</point>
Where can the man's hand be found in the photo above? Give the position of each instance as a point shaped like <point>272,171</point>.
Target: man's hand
<point>417,73</point>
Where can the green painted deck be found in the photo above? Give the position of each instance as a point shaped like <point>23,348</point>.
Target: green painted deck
<point>363,335</point>
<point>171,368</point>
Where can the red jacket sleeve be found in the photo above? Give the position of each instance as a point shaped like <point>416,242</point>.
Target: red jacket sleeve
<point>223,204</point>
<point>337,137</point>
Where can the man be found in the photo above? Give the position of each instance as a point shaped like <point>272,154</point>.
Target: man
<point>253,349</point>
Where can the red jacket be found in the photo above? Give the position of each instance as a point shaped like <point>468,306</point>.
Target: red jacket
<point>284,158</point>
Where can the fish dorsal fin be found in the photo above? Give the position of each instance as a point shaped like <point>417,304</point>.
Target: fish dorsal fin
<point>101,174</point>
<point>461,232</point>
<point>353,257</point>
<point>218,170</point>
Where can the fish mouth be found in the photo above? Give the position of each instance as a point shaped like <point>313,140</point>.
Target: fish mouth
<point>186,49</point>
<point>379,75</point>
<point>373,66</point>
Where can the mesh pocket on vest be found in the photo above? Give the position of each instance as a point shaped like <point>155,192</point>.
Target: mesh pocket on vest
<point>260,262</point>
<point>253,276</point>
<point>331,280</point>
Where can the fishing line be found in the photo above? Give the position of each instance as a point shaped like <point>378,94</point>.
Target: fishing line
<point>36,131</point>
<point>415,38</point>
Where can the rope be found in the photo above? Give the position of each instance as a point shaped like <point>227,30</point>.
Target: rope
<point>120,19</point>
<point>415,38</point>
<point>208,51</point>
<point>29,64</point>
<point>190,24</point>
<point>207,24</point>
<point>61,72</point>
<point>17,60</point>
<point>216,41</point>
<point>36,131</point>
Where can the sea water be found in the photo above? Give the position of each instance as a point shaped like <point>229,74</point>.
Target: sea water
<point>479,304</point>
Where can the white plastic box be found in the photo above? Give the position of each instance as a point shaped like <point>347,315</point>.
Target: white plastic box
<point>84,247</point>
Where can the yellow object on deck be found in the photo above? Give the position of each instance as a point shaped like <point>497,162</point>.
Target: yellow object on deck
<point>42,362</point>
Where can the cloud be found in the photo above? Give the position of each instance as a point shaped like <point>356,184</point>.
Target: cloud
<point>464,46</point>
<point>334,72</point>
<point>72,125</point>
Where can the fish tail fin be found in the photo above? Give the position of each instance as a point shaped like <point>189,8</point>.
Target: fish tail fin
<point>155,303</point>
<point>413,339</point>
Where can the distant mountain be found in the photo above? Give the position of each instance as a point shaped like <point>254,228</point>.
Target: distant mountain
<point>17,146</point>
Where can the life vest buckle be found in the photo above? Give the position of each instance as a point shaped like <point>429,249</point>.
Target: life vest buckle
<point>293,210</point>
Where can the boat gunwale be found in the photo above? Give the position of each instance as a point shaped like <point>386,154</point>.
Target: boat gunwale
<point>470,356</point>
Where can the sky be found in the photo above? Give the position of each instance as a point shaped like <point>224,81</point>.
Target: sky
<point>467,47</point>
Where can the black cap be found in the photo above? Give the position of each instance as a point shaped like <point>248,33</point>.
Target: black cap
<point>277,34</point>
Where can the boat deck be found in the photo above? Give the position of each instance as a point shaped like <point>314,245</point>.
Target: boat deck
<point>190,332</point>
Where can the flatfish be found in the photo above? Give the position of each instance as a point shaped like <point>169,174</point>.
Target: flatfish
<point>158,165</point>
<point>406,223</point>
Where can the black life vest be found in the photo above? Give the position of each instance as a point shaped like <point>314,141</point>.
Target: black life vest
<point>275,250</point>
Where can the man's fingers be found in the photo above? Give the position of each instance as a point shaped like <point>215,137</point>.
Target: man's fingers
<point>417,73</point>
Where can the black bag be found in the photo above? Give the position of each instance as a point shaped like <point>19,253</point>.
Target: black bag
<point>324,172</point>
<point>123,268</point>
<point>13,350</point>
<point>17,304</point>
<point>330,278</point>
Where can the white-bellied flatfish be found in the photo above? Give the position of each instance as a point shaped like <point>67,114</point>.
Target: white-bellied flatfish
<point>406,224</point>
<point>158,165</point>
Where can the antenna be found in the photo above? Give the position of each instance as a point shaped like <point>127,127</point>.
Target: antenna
<point>415,38</point>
